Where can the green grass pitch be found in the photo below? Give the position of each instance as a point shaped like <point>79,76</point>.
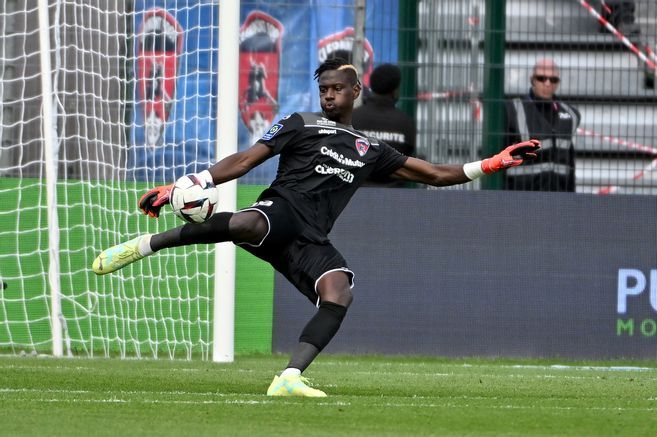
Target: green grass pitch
<point>367,396</point>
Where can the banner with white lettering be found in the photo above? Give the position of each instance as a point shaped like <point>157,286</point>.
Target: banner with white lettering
<point>281,44</point>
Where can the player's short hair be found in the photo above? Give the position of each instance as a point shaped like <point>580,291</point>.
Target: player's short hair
<point>338,64</point>
<point>385,78</point>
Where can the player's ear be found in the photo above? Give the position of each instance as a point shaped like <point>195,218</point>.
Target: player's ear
<point>357,89</point>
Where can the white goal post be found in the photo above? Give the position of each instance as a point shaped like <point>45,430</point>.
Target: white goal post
<point>224,294</point>
<point>101,99</point>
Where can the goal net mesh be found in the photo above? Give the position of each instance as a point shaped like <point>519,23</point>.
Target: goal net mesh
<point>127,79</point>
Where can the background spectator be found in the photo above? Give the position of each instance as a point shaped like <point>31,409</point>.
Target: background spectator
<point>378,117</point>
<point>541,115</point>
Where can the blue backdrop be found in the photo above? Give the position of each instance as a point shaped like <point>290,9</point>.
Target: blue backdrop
<point>310,30</point>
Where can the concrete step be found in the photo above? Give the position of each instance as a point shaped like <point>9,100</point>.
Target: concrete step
<point>611,129</point>
<point>538,24</point>
<point>635,124</point>
<point>612,75</point>
<point>592,75</point>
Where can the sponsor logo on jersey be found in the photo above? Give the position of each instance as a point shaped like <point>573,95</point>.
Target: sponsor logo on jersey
<point>564,116</point>
<point>340,157</point>
<point>343,174</point>
<point>362,146</point>
<point>325,122</point>
<point>327,131</point>
<point>272,131</point>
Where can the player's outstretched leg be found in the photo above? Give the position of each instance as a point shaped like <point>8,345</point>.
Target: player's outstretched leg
<point>293,385</point>
<point>247,226</point>
<point>121,255</point>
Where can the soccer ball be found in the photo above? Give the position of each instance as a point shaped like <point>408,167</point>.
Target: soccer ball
<point>193,199</point>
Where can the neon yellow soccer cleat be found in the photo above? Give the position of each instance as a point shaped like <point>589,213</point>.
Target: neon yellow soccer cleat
<point>117,257</point>
<point>293,386</point>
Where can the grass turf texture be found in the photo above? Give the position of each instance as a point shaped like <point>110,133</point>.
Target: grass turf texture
<point>367,396</point>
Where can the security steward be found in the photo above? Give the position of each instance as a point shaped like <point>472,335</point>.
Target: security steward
<point>541,115</point>
<point>379,118</point>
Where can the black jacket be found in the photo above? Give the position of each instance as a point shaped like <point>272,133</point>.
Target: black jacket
<point>379,118</point>
<point>555,124</point>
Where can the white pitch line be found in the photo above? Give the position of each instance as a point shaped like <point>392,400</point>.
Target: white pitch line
<point>338,403</point>
<point>95,369</point>
<point>606,369</point>
<point>467,375</point>
<point>501,366</point>
<point>389,364</point>
<point>123,393</point>
<point>556,375</point>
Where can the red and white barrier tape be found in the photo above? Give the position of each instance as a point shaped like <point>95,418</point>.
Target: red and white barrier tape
<point>605,7</point>
<point>443,95</point>
<point>475,103</point>
<point>649,51</point>
<point>629,144</point>
<point>611,189</point>
<point>618,35</point>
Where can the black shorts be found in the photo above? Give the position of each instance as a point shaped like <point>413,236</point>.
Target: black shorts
<point>302,261</point>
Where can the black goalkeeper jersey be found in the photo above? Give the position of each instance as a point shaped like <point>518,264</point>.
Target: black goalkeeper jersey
<point>322,164</point>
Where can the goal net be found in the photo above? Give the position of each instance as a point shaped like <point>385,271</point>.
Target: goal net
<point>133,106</point>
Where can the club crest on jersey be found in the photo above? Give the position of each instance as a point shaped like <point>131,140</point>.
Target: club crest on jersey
<point>362,146</point>
<point>272,131</point>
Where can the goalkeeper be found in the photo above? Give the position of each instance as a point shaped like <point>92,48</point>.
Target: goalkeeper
<point>323,160</point>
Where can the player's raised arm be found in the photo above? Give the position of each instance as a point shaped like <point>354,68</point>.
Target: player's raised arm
<point>239,164</point>
<point>229,168</point>
<point>441,175</point>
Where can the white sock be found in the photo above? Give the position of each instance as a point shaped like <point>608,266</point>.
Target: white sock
<point>145,245</point>
<point>291,371</point>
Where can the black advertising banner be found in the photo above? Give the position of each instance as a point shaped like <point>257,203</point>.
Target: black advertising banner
<point>465,273</point>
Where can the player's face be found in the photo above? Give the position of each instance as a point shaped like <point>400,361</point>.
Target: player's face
<point>337,95</point>
<point>545,82</point>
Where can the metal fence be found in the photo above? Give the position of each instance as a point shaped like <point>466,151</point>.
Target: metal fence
<point>606,72</point>
<point>605,57</point>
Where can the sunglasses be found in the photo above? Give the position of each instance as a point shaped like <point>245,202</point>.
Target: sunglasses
<point>541,78</point>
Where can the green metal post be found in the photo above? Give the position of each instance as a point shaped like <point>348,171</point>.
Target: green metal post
<point>407,55</point>
<point>493,129</point>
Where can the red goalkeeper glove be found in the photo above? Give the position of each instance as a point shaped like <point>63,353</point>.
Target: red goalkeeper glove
<point>151,202</point>
<point>512,156</point>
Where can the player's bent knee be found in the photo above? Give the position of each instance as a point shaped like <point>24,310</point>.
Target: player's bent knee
<point>248,227</point>
<point>335,287</point>
<point>344,298</point>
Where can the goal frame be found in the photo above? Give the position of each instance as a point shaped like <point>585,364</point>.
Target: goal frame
<point>223,315</point>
